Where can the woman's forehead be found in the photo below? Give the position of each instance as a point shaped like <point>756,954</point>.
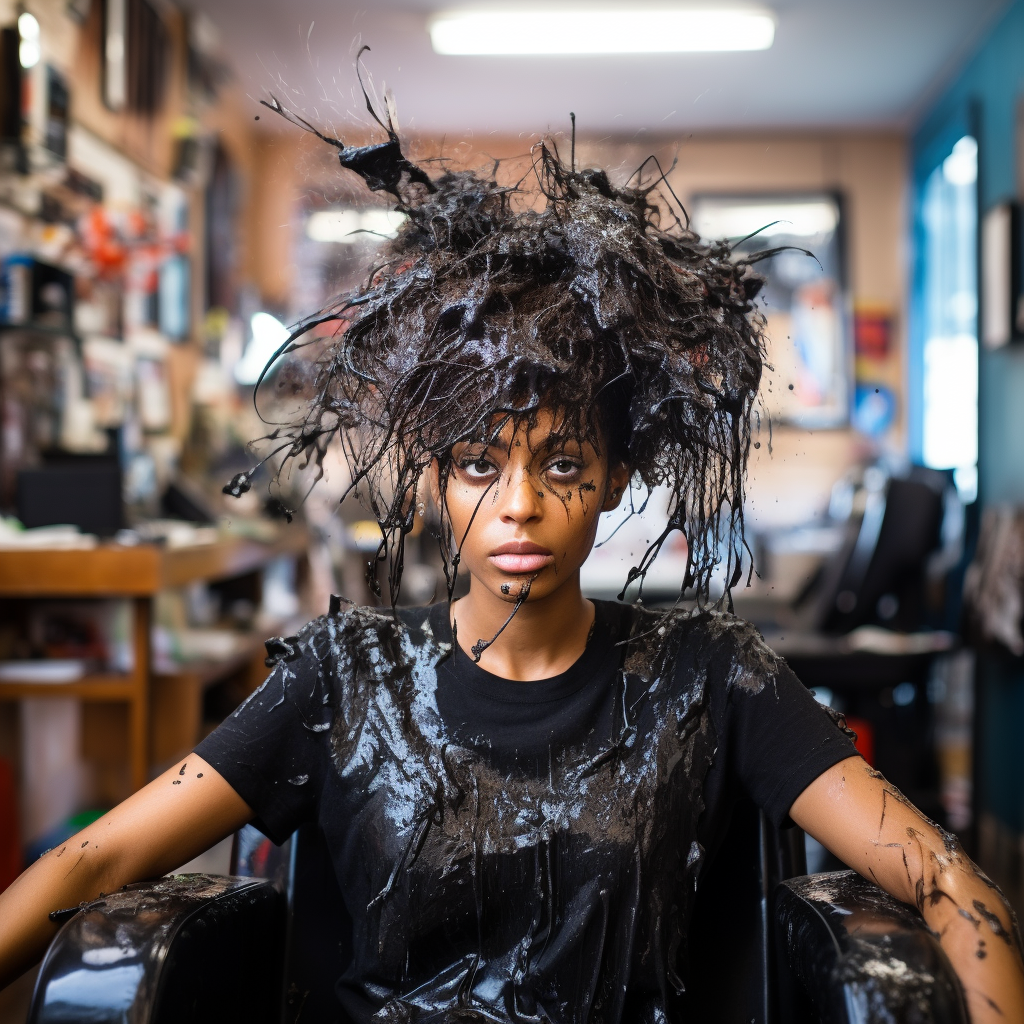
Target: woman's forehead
<point>544,427</point>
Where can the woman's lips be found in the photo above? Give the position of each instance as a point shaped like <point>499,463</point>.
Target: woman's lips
<point>521,557</point>
<point>513,563</point>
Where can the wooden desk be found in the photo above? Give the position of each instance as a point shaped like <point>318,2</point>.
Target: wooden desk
<point>136,573</point>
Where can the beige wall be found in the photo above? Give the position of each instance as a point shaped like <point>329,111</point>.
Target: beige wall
<point>792,482</point>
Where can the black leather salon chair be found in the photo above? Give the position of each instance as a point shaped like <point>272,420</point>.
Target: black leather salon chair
<point>769,945</point>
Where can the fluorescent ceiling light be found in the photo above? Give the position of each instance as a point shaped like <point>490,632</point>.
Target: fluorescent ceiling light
<point>602,30</point>
<point>348,226</point>
<point>737,220</point>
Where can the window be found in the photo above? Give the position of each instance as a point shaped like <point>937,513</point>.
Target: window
<point>949,215</point>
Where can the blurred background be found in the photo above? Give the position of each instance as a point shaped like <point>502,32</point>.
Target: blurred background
<point>160,230</point>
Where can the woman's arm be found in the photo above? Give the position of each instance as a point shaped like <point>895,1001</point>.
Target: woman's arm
<point>868,824</point>
<point>173,819</point>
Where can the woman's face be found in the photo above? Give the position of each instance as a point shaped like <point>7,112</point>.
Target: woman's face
<point>525,508</point>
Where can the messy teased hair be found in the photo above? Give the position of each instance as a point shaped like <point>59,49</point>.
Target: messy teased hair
<point>563,291</point>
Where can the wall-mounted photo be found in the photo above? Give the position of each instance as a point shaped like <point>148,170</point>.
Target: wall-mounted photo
<point>804,300</point>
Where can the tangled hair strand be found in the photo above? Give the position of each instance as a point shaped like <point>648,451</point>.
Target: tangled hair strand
<point>494,301</point>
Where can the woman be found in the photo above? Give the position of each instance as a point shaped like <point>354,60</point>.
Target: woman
<point>518,788</point>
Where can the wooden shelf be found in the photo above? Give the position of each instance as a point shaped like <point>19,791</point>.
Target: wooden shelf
<point>110,570</point>
<point>206,673</point>
<point>226,558</point>
<point>105,571</point>
<point>93,687</point>
<point>251,648</point>
<point>165,710</point>
<point>51,330</point>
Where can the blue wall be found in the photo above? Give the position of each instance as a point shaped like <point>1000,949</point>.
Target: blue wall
<point>983,101</point>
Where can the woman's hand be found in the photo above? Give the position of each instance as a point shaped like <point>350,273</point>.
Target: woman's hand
<point>173,819</point>
<point>867,823</point>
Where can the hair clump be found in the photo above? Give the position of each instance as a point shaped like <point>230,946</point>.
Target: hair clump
<point>569,291</point>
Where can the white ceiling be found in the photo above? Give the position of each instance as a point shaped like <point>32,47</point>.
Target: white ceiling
<point>869,63</point>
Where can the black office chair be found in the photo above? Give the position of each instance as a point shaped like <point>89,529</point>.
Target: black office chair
<point>879,575</point>
<point>266,945</point>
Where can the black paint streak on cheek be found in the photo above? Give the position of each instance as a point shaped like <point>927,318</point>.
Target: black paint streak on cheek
<point>183,767</point>
<point>994,1005</point>
<point>565,498</point>
<point>583,488</point>
<point>968,916</point>
<point>992,920</point>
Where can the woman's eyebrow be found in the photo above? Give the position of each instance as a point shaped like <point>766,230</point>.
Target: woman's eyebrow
<point>564,445</point>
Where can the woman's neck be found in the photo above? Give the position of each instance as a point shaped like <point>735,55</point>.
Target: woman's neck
<point>543,639</point>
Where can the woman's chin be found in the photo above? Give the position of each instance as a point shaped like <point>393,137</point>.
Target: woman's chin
<point>509,588</point>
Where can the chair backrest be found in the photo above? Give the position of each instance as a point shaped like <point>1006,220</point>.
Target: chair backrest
<point>319,940</point>
<point>732,971</point>
<point>878,576</point>
<point>730,933</point>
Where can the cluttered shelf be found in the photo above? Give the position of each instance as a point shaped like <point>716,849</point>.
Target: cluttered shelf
<point>166,664</point>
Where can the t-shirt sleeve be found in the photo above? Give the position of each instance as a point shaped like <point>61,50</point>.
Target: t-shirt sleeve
<point>272,748</point>
<point>780,738</point>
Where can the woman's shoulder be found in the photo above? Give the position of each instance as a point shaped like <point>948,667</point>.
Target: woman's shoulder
<point>718,646</point>
<point>353,633</point>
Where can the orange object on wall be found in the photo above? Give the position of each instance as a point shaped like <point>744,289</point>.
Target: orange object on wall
<point>10,843</point>
<point>872,332</point>
<point>865,742</point>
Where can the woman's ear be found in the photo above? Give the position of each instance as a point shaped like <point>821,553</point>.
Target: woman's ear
<point>618,481</point>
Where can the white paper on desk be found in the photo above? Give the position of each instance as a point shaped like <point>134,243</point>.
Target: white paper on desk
<point>48,670</point>
<point>44,538</point>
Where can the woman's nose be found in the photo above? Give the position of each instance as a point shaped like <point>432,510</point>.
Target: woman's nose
<point>520,499</point>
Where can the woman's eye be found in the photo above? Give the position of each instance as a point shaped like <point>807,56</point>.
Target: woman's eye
<point>563,468</point>
<point>476,469</point>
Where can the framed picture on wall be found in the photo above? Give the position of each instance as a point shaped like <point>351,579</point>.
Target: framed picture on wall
<point>805,299</point>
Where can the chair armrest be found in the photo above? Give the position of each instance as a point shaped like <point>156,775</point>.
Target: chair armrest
<point>861,955</point>
<point>185,947</point>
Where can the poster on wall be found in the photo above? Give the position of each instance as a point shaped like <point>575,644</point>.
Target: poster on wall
<point>804,299</point>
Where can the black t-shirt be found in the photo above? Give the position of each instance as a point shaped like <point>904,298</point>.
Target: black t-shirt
<point>525,850</point>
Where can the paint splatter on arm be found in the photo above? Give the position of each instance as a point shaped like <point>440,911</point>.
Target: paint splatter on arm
<point>870,825</point>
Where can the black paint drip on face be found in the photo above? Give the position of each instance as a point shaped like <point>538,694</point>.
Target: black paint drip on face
<point>481,645</point>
